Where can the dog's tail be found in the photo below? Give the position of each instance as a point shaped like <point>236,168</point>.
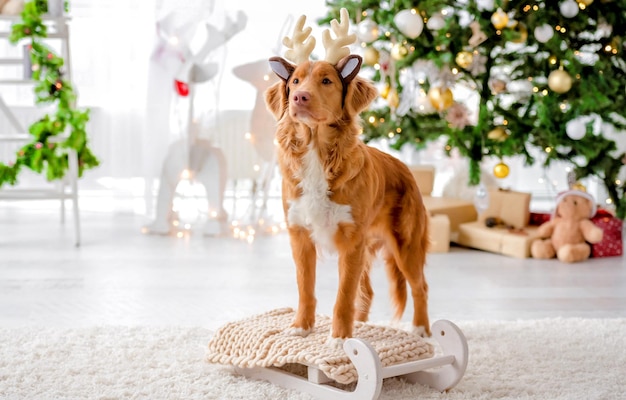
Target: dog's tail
<point>408,258</point>
<point>414,223</point>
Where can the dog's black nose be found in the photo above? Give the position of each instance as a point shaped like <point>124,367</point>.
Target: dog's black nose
<point>301,97</point>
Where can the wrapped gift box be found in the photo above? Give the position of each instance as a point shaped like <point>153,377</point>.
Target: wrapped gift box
<point>439,227</point>
<point>511,207</point>
<point>439,234</point>
<point>457,211</point>
<point>500,240</point>
<point>425,177</point>
<point>513,236</point>
<point>612,242</point>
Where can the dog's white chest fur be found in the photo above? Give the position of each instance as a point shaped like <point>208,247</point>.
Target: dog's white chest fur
<point>314,210</point>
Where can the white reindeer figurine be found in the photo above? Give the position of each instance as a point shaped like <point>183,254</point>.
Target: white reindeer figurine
<point>191,157</point>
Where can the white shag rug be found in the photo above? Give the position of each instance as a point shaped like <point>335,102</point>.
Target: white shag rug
<point>542,359</point>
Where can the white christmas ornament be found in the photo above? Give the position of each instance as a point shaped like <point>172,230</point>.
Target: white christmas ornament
<point>576,129</point>
<point>423,105</point>
<point>436,22</point>
<point>543,33</point>
<point>485,5</point>
<point>409,22</point>
<point>481,198</point>
<point>367,31</point>
<point>569,8</point>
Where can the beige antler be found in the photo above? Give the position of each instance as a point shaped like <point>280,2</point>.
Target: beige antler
<point>301,45</point>
<point>336,49</point>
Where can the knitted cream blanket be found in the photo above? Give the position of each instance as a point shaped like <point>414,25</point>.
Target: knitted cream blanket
<point>260,341</point>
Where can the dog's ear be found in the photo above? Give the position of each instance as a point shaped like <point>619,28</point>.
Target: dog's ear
<point>282,67</point>
<point>276,99</point>
<point>349,67</point>
<point>276,95</point>
<point>360,94</point>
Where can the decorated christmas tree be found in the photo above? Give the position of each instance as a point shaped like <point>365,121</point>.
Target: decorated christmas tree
<point>535,78</point>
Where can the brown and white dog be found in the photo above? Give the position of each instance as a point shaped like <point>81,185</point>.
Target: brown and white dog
<point>341,194</point>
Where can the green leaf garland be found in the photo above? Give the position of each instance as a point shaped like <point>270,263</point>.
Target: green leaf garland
<point>45,154</point>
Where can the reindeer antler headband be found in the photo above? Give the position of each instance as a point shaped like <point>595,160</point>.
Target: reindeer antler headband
<point>301,44</point>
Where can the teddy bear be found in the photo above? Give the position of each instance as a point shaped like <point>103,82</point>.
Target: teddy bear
<point>569,232</point>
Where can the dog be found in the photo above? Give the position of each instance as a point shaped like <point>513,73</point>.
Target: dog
<point>341,195</point>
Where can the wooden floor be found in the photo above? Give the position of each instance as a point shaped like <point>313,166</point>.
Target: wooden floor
<point>121,276</point>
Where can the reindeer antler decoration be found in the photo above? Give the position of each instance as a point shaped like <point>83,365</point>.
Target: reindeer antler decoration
<point>336,49</point>
<point>301,45</point>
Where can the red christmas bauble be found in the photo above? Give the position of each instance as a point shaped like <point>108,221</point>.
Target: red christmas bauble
<point>181,88</point>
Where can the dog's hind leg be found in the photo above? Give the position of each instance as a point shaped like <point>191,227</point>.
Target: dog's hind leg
<point>410,261</point>
<point>305,257</point>
<point>404,260</point>
<point>402,269</point>
<point>419,291</point>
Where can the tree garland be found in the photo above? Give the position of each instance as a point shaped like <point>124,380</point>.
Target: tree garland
<point>43,154</point>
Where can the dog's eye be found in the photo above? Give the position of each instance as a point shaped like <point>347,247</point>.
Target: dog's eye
<point>326,81</point>
<point>295,81</point>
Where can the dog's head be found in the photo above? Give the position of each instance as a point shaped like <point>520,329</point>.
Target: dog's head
<point>319,92</point>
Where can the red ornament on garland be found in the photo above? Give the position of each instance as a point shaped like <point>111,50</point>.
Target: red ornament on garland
<point>181,88</point>
<point>54,88</point>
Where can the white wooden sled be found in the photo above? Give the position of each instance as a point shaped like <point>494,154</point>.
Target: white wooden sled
<point>441,371</point>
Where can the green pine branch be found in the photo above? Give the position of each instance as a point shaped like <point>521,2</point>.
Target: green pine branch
<point>534,119</point>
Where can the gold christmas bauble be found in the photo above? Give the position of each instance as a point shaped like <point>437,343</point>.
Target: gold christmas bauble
<point>501,170</point>
<point>385,91</point>
<point>498,133</point>
<point>399,51</point>
<point>559,81</point>
<point>464,59</point>
<point>499,19</point>
<point>371,56</point>
<point>523,32</point>
<point>392,99</point>
<point>440,97</point>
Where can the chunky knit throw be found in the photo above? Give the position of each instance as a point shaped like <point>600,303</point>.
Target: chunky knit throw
<point>261,341</point>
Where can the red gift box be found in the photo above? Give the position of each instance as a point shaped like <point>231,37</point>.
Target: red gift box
<point>611,244</point>
<point>538,218</point>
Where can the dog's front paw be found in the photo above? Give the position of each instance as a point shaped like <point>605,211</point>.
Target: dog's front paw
<point>335,342</point>
<point>420,331</point>
<point>294,331</point>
